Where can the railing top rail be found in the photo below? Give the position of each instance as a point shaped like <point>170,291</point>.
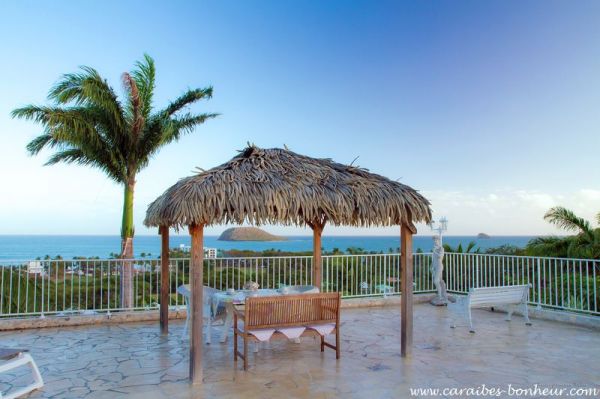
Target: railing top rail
<point>264,257</point>
<point>357,255</point>
<point>118,260</point>
<point>12,262</point>
<point>524,257</point>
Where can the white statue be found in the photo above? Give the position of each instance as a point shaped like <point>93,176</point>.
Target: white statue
<point>437,270</point>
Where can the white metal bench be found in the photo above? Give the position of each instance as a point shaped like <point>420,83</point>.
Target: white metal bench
<point>13,358</point>
<point>485,297</point>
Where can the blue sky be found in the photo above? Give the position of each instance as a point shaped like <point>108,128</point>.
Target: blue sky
<point>490,108</point>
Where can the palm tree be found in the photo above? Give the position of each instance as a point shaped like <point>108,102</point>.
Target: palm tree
<point>584,244</point>
<point>459,249</point>
<point>87,124</point>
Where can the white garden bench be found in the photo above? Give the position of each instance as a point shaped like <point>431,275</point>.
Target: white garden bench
<point>510,296</point>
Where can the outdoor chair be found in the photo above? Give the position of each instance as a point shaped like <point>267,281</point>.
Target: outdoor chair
<point>209,314</point>
<point>14,358</point>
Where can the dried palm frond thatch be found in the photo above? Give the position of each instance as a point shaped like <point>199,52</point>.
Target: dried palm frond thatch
<point>264,186</point>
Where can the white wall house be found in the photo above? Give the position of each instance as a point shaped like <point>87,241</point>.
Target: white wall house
<point>35,267</point>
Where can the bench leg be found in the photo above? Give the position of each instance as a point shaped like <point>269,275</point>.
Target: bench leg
<point>471,329</point>
<point>337,343</point>
<point>322,343</point>
<point>37,376</point>
<point>509,312</point>
<point>526,314</point>
<point>245,352</point>
<point>235,339</point>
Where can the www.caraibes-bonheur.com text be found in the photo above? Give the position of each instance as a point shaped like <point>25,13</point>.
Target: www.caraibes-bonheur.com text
<point>509,390</point>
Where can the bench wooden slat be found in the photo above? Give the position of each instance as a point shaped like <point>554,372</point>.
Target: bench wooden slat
<point>280,311</point>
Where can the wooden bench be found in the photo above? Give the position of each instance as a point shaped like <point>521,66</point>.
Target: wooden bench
<point>279,314</point>
<point>485,297</point>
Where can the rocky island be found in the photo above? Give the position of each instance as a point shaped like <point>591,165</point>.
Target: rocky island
<point>483,235</point>
<point>248,234</point>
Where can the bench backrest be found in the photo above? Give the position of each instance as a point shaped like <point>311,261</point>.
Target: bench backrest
<point>291,310</point>
<point>504,295</point>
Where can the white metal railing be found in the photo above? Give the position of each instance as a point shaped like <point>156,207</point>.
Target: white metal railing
<point>373,274</point>
<point>62,287</point>
<point>560,283</point>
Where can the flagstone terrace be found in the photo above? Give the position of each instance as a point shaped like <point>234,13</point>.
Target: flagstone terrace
<point>133,360</point>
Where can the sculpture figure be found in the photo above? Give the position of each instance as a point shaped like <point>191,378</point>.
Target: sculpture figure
<point>437,270</point>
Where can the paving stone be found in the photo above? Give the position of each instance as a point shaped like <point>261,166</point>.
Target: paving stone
<point>133,360</point>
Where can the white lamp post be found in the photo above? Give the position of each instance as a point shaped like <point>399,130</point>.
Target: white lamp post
<point>442,227</point>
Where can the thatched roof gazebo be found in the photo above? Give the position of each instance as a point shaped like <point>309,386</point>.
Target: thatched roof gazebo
<point>278,186</point>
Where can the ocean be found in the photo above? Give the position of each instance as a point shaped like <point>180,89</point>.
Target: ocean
<point>24,247</point>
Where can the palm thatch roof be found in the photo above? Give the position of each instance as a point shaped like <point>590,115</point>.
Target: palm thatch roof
<point>278,186</point>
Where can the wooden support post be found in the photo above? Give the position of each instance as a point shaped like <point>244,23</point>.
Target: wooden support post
<point>317,273</point>
<point>406,279</point>
<point>196,267</point>
<point>165,288</point>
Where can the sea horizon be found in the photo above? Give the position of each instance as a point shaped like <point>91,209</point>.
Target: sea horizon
<point>68,246</point>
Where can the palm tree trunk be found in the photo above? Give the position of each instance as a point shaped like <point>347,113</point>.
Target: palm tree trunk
<point>127,231</point>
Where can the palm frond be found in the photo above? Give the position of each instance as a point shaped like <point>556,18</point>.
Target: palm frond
<point>89,88</point>
<point>567,220</point>
<point>159,132</point>
<point>185,124</point>
<point>549,246</point>
<point>187,98</point>
<point>144,76</point>
<point>136,119</point>
<point>37,144</point>
<point>88,125</point>
<point>94,158</point>
<point>470,247</point>
<point>68,156</point>
<point>63,125</point>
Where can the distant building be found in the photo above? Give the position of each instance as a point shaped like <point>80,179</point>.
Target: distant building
<point>209,253</point>
<point>35,267</point>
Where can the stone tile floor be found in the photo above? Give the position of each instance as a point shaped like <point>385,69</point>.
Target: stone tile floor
<point>133,360</point>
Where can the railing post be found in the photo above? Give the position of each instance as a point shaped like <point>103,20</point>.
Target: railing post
<point>43,284</point>
<point>385,279</point>
<point>539,284</point>
<point>476,271</point>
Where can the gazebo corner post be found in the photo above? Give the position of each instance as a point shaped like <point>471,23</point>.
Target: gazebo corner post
<point>317,272</point>
<point>406,280</point>
<point>196,281</point>
<point>165,286</point>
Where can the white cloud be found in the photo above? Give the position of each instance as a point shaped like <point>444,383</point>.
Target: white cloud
<point>90,204</point>
<point>508,211</point>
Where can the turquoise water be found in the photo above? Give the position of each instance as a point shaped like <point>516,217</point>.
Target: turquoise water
<point>30,247</point>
